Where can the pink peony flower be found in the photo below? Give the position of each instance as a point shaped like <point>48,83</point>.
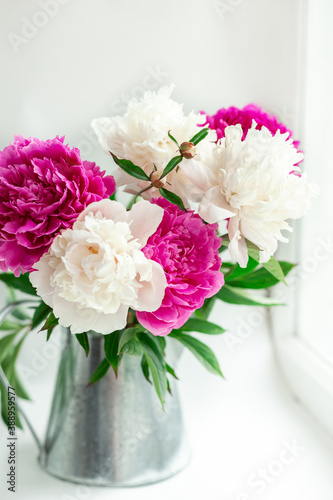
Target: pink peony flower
<point>44,186</point>
<point>233,116</point>
<point>187,249</point>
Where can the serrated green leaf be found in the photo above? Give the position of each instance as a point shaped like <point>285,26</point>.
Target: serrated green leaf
<point>200,350</point>
<point>201,326</point>
<point>156,363</point>
<point>171,165</point>
<point>41,312</point>
<point>260,278</point>
<point>199,136</point>
<point>131,169</point>
<point>83,341</point>
<point>21,282</point>
<point>111,343</point>
<point>173,139</point>
<point>173,198</point>
<point>100,371</point>
<point>240,297</point>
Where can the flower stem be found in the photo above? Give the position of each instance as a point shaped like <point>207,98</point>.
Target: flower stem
<point>133,200</point>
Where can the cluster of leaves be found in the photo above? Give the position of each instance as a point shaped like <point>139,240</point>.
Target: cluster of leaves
<point>256,276</point>
<point>14,330</point>
<point>137,172</point>
<point>137,341</point>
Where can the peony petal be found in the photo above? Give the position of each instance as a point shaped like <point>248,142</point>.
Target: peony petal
<point>214,207</point>
<point>40,279</point>
<point>196,171</point>
<point>108,323</point>
<point>144,218</point>
<point>108,208</point>
<point>237,246</point>
<point>151,294</point>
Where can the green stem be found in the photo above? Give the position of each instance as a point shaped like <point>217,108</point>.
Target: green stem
<point>133,200</point>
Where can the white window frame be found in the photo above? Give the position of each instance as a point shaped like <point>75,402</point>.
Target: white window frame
<point>308,374</point>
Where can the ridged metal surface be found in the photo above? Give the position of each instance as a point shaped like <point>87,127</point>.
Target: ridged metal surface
<point>114,432</point>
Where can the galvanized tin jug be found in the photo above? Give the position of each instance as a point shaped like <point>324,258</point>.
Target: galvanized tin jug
<point>113,432</point>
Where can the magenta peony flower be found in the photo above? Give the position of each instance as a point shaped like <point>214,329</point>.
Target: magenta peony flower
<point>44,186</point>
<point>187,249</point>
<point>232,116</point>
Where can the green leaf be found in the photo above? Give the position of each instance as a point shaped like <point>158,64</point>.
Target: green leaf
<point>173,139</point>
<point>4,407</point>
<point>131,169</point>
<point>50,322</point>
<point>21,283</point>
<point>20,390</point>
<point>202,326</point>
<point>172,197</point>
<point>238,271</point>
<point>204,311</point>
<point>145,368</point>
<point>129,344</point>
<point>272,266</point>
<point>111,343</point>
<point>6,343</point>
<point>49,333</point>
<point>162,343</point>
<point>236,296</point>
<point>199,136</point>
<point>9,368</point>
<point>41,312</point>
<point>171,371</point>
<point>8,325</point>
<point>259,278</point>
<point>156,363</point>
<point>113,197</point>
<point>83,341</point>
<point>171,165</point>
<point>100,371</point>
<point>200,350</point>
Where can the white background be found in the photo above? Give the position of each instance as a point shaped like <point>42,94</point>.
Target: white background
<point>84,62</point>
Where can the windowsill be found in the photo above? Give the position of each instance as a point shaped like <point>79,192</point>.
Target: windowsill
<point>237,429</point>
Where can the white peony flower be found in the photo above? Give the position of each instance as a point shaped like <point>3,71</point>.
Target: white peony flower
<point>251,183</point>
<point>141,136</point>
<point>95,271</point>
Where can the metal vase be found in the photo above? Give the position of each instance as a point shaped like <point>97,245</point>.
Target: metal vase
<point>113,432</point>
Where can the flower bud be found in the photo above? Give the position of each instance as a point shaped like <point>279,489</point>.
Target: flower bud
<point>155,179</point>
<point>187,150</point>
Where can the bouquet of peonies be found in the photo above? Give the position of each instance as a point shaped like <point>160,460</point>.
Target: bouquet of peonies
<point>153,269</point>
